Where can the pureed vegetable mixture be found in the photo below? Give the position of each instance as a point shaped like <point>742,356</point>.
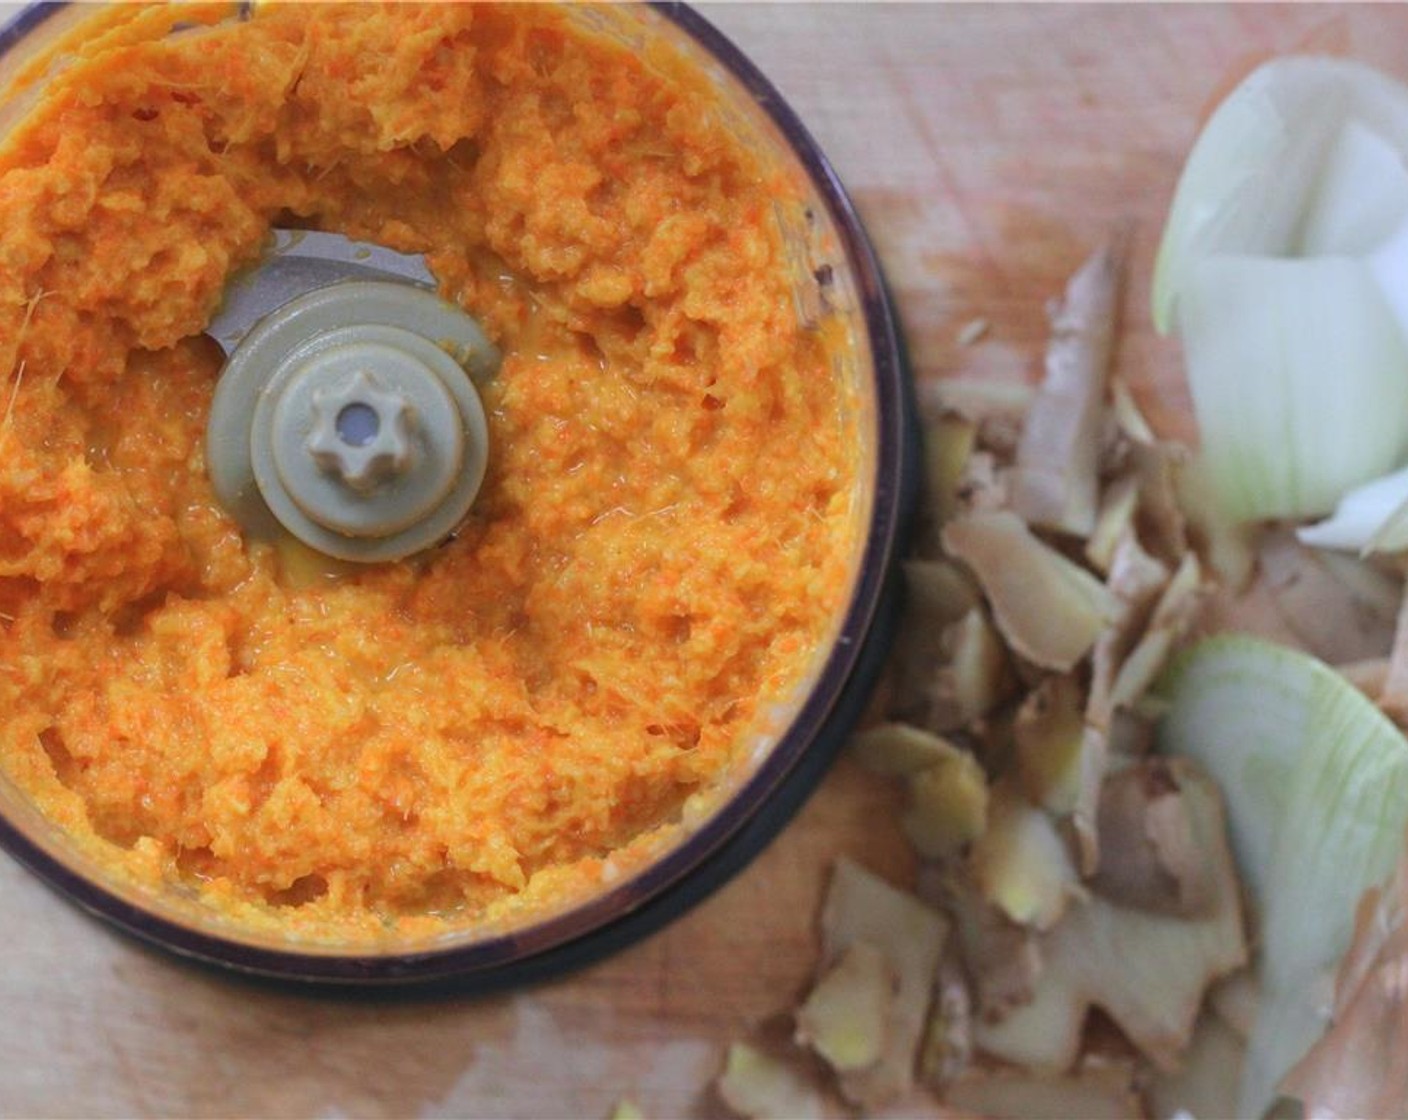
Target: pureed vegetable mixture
<point>659,548</point>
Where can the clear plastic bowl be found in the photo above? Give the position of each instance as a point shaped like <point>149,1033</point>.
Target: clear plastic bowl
<point>833,268</point>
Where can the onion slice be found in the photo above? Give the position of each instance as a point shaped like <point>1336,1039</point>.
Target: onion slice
<point>1361,199</point>
<point>1263,175</point>
<point>1370,518</point>
<point>1284,269</point>
<point>1316,784</point>
<point>1299,376</point>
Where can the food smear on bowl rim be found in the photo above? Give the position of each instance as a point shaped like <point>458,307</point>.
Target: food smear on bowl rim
<point>664,540</point>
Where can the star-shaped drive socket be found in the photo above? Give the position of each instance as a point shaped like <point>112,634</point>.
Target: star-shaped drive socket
<point>361,432</point>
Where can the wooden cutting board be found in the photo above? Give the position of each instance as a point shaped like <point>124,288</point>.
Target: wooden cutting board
<point>988,148</point>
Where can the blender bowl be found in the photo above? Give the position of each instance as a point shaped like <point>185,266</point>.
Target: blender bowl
<point>837,292</point>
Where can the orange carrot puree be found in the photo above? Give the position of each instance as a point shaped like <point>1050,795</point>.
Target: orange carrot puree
<point>663,537</point>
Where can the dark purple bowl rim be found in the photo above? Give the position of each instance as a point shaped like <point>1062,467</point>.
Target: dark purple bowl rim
<point>561,931</point>
<point>26,20</point>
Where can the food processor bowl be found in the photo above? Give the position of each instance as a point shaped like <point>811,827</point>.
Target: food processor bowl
<point>835,277</point>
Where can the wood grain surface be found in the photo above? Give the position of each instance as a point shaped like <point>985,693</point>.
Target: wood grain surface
<point>988,148</point>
